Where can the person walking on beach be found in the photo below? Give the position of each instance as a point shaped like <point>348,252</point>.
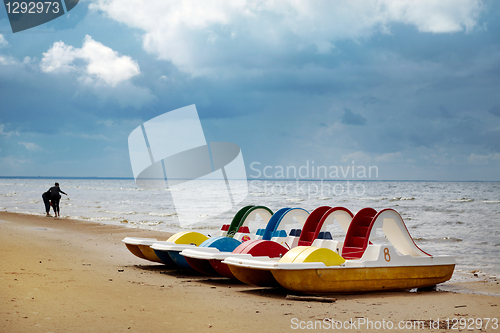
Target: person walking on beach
<point>56,197</point>
<point>46,201</point>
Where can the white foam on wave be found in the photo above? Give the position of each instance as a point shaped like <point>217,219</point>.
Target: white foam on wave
<point>461,200</point>
<point>163,214</point>
<point>402,199</point>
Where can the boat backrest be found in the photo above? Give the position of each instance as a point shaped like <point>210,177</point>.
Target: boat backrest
<point>251,214</point>
<point>273,222</point>
<point>358,234</point>
<point>394,228</point>
<point>308,233</point>
<point>281,218</point>
<point>235,223</point>
<point>340,214</point>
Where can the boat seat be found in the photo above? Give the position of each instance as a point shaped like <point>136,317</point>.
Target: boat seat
<point>325,235</point>
<point>279,233</point>
<point>244,230</point>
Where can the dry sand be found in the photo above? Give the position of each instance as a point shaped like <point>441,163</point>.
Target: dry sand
<point>61,275</point>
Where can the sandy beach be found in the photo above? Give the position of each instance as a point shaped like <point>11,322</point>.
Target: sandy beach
<point>64,275</point>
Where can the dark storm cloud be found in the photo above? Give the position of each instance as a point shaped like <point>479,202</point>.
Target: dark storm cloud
<point>381,88</point>
<point>351,118</point>
<point>495,111</point>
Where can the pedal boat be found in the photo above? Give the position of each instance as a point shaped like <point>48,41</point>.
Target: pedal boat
<point>189,240</point>
<point>141,247</point>
<point>259,251</point>
<point>208,259</point>
<point>364,267</point>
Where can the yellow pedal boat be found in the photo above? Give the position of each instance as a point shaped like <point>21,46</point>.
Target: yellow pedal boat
<point>365,266</point>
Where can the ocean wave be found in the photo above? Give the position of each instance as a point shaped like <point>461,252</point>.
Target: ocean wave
<point>449,239</point>
<point>106,218</point>
<point>492,201</point>
<point>30,202</point>
<point>369,198</point>
<point>461,200</point>
<point>114,212</point>
<point>153,223</point>
<point>438,240</point>
<point>100,189</point>
<point>214,227</point>
<point>401,198</point>
<point>162,214</point>
<point>295,199</point>
<point>79,217</point>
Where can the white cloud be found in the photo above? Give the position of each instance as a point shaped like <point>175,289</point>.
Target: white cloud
<point>8,60</point>
<point>356,158</point>
<point>59,58</point>
<point>3,41</point>
<point>232,37</point>
<point>437,16</point>
<point>128,94</point>
<point>30,146</point>
<point>389,157</point>
<point>101,64</point>
<point>483,159</point>
<point>12,163</point>
<point>362,157</point>
<point>107,122</point>
<point>7,134</point>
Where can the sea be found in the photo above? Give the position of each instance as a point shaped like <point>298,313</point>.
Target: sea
<point>461,219</point>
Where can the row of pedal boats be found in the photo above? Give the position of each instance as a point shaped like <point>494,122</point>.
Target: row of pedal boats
<point>305,259</point>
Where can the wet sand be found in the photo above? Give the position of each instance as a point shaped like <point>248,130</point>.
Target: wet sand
<point>64,275</point>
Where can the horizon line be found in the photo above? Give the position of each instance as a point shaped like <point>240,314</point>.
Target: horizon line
<point>250,179</point>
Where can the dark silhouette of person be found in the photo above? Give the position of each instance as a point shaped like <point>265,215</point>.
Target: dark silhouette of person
<point>46,201</point>
<point>55,197</point>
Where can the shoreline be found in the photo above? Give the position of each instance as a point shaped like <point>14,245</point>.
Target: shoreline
<point>68,275</point>
<point>460,275</point>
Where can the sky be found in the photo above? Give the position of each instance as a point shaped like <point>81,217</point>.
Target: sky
<point>408,88</point>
